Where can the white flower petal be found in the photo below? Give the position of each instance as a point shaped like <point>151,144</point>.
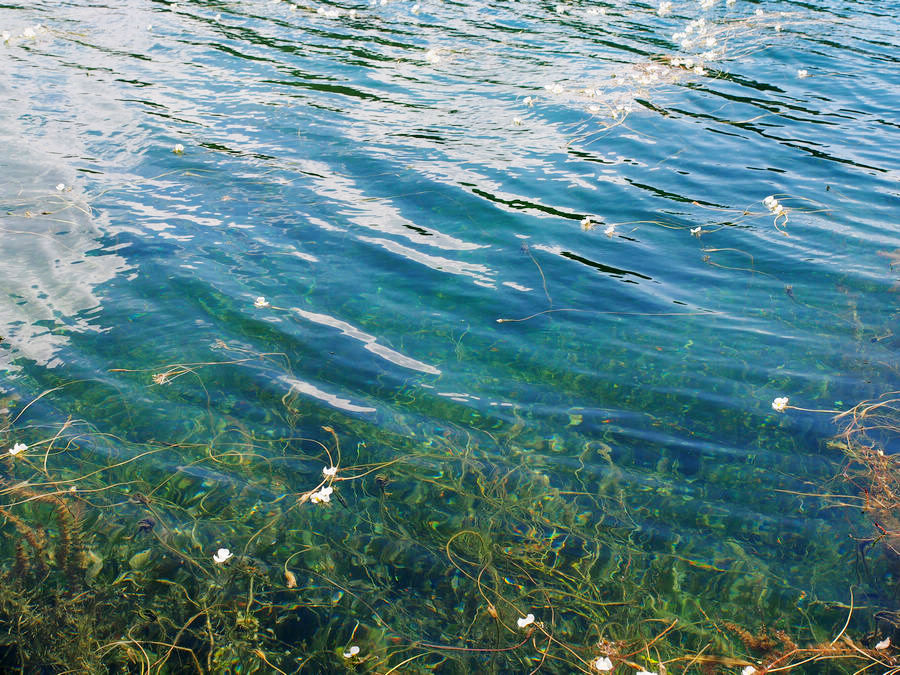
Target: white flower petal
<point>602,664</point>
<point>779,403</point>
<point>222,555</point>
<point>525,621</point>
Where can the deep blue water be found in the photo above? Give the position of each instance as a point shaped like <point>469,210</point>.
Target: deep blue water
<point>395,181</point>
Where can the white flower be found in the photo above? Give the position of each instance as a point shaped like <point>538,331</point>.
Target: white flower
<point>729,2</point>
<point>759,12</point>
<point>586,224</point>
<point>322,496</point>
<point>415,8</point>
<point>700,70</point>
<point>329,471</point>
<point>350,653</point>
<point>525,621</point>
<point>61,186</point>
<point>664,8</point>
<point>517,121</point>
<point>432,56</point>
<point>602,664</point>
<point>610,231</point>
<point>17,448</point>
<point>695,231</point>
<point>748,670</point>
<point>178,149</point>
<point>884,644</point>
<point>773,205</point>
<point>222,555</point>
<point>802,73</point>
<point>529,101</point>
<point>28,32</point>
<point>779,403</point>
<point>260,302</point>
<point>5,36</point>
<point>777,27</point>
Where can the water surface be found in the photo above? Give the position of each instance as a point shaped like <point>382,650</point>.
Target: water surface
<point>520,248</point>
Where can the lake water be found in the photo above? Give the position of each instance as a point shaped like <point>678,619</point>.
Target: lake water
<point>507,266</point>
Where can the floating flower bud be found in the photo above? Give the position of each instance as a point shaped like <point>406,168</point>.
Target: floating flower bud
<point>350,653</point>
<point>17,448</point>
<point>329,471</point>
<point>602,664</point>
<point>178,149</point>
<point>222,555</point>
<point>695,231</point>
<point>60,187</point>
<point>525,621</point>
<point>780,403</point>
<point>261,303</point>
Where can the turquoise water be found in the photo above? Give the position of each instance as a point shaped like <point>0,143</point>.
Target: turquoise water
<point>474,227</point>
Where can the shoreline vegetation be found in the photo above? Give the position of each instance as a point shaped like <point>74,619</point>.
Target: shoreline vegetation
<point>112,565</point>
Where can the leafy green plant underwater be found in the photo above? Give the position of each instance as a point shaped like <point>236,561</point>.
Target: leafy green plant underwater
<point>295,554</point>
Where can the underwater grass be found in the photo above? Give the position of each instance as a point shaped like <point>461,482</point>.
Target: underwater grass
<point>305,554</point>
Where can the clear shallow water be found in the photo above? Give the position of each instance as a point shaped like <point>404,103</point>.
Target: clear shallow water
<point>384,180</point>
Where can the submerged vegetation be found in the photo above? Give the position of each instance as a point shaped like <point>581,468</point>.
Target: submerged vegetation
<point>394,557</point>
